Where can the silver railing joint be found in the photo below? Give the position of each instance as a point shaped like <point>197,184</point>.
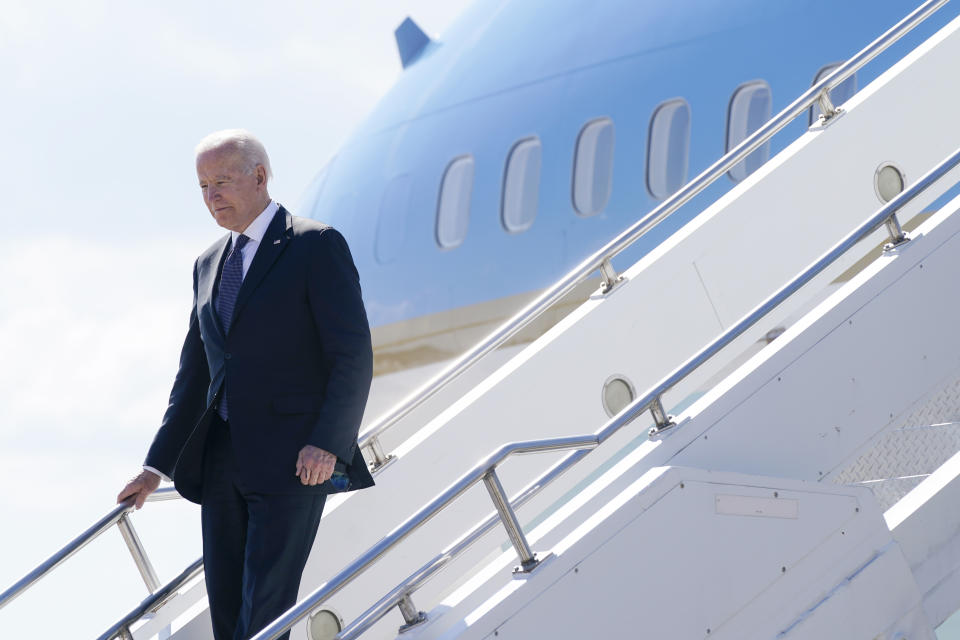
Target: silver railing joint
<point>897,236</point>
<point>411,615</point>
<point>827,109</point>
<point>528,559</point>
<point>661,419</point>
<point>608,275</point>
<point>379,457</point>
<point>138,552</point>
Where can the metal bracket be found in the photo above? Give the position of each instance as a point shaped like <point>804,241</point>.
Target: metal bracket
<point>609,276</point>
<point>411,615</point>
<point>662,420</point>
<point>897,236</point>
<point>828,112</point>
<point>380,459</point>
<point>523,570</point>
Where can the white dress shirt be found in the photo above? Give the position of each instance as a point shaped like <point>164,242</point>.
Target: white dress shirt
<point>255,232</point>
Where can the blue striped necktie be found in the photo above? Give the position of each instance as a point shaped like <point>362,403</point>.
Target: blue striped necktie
<point>230,280</point>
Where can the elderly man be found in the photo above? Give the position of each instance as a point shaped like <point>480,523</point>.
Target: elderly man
<point>274,374</point>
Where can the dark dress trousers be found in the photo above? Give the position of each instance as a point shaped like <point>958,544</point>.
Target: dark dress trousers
<point>295,367</point>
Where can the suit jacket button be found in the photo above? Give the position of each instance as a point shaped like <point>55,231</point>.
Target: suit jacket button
<point>227,356</point>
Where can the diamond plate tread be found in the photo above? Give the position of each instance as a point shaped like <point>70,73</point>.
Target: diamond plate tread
<point>924,438</point>
<point>942,405</point>
<point>907,451</point>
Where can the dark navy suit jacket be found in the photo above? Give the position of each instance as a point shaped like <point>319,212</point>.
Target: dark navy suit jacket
<point>297,363</point>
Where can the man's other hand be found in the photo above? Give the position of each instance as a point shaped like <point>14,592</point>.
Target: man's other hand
<point>314,465</point>
<point>140,487</point>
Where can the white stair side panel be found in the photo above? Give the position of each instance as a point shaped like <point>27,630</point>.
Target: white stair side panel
<point>695,554</point>
<point>926,524</point>
<point>843,374</point>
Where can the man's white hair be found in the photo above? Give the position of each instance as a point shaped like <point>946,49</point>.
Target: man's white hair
<point>241,141</point>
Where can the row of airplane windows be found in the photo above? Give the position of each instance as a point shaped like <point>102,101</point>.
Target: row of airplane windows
<point>667,162</point>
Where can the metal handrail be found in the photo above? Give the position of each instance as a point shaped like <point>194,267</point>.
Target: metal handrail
<point>117,516</point>
<point>483,471</point>
<point>600,260</point>
<point>153,602</point>
<point>417,579</point>
<point>650,401</point>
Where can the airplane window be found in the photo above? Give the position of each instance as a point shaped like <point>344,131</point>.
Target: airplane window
<point>593,167</point>
<point>392,223</point>
<point>839,94</point>
<point>668,148</point>
<point>521,182</point>
<point>453,212</point>
<point>749,109</point>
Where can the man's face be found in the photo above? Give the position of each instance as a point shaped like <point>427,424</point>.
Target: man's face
<point>233,196</point>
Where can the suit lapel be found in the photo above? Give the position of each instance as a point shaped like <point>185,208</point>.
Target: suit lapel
<point>274,241</point>
<point>206,287</point>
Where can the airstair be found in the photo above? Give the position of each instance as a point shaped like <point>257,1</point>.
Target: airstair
<point>805,481</point>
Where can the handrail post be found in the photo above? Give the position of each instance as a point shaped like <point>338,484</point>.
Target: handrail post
<point>897,236</point>
<point>411,615</point>
<point>379,457</point>
<point>662,420</point>
<point>827,109</point>
<point>528,559</point>
<point>138,552</point>
<point>608,275</point>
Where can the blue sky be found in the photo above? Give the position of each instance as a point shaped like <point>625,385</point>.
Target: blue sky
<point>102,106</point>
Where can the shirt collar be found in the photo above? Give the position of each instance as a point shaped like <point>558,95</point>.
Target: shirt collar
<point>256,229</point>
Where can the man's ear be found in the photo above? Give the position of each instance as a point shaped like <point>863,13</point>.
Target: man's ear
<point>261,175</point>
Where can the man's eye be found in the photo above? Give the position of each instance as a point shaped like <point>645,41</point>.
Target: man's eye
<point>202,187</point>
